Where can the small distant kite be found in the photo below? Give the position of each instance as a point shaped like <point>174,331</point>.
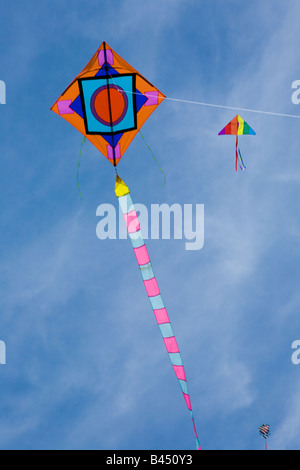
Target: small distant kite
<point>108,102</point>
<point>264,431</point>
<point>237,127</point>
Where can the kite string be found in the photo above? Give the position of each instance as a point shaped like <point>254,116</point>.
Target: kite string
<point>235,108</point>
<point>220,106</point>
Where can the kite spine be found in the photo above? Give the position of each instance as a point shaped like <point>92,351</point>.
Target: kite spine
<point>153,292</point>
<point>236,152</point>
<point>109,104</point>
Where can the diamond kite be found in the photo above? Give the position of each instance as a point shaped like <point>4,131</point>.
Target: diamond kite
<point>108,102</point>
<point>237,127</point>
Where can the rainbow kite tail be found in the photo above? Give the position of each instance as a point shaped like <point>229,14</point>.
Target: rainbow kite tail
<point>153,292</point>
<point>236,152</point>
<point>242,165</point>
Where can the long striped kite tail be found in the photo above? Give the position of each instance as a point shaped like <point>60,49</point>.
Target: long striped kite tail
<point>153,292</point>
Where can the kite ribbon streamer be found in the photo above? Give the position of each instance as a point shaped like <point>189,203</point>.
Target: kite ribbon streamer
<point>242,166</point>
<point>236,152</point>
<point>152,289</point>
<point>153,157</point>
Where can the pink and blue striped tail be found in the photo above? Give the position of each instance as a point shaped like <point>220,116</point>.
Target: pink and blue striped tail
<point>153,292</point>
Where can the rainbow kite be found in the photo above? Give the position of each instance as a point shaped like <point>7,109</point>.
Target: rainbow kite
<point>108,102</point>
<point>237,127</point>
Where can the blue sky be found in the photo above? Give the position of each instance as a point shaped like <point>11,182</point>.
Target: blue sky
<point>86,365</point>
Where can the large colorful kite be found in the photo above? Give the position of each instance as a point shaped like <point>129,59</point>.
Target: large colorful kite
<point>108,102</point>
<point>237,127</point>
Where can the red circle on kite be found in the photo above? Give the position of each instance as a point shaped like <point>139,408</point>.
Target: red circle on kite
<point>109,104</point>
